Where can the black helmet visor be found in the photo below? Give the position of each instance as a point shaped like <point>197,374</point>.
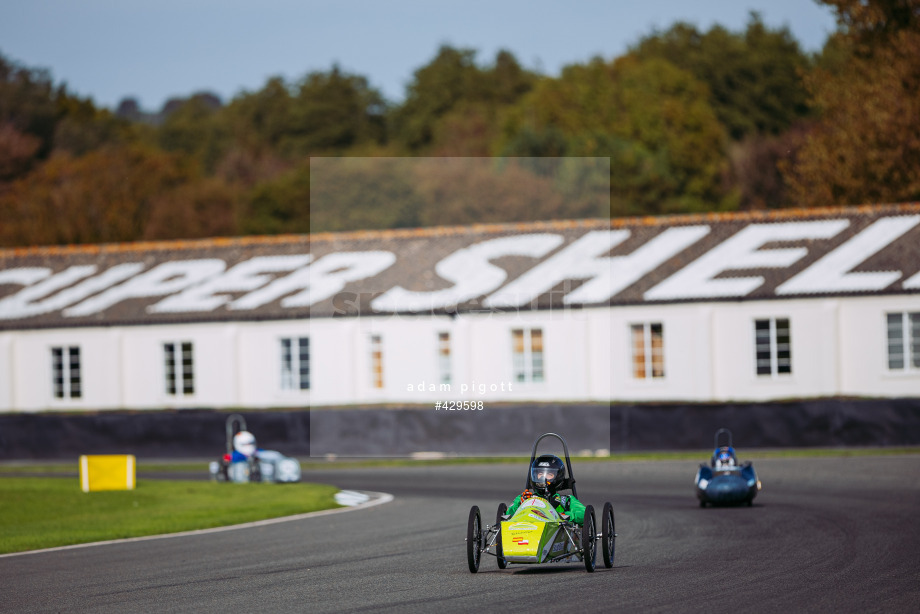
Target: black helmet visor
<point>541,476</point>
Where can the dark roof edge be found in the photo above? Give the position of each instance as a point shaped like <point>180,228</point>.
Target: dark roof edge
<point>663,220</point>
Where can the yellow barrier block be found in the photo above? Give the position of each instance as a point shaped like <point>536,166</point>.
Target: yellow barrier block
<point>107,472</point>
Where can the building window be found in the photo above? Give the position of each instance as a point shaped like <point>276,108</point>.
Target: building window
<point>527,354</point>
<point>903,341</point>
<point>647,350</point>
<point>773,346</point>
<point>295,363</point>
<point>180,368</point>
<point>444,358</point>
<point>376,361</point>
<point>65,372</point>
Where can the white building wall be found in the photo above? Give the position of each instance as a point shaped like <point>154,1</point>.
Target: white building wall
<point>598,353</point>
<point>100,369</point>
<point>864,339</point>
<point>481,355</point>
<point>839,347</point>
<point>577,348</point>
<point>215,372</point>
<point>259,363</point>
<point>687,332</point>
<point>6,372</point>
<point>813,325</point>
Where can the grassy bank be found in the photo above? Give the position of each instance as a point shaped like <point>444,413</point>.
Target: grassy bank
<point>199,468</point>
<point>47,512</point>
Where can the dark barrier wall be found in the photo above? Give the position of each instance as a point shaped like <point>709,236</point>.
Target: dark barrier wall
<point>497,430</point>
<point>817,423</point>
<point>155,434</point>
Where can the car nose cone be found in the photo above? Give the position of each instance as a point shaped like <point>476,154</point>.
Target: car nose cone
<point>727,489</point>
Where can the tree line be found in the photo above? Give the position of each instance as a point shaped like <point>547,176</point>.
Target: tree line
<point>690,121</point>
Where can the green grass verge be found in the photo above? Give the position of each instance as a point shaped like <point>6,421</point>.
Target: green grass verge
<point>319,464</point>
<point>47,512</point>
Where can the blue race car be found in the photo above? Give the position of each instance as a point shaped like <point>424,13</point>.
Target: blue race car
<point>725,481</point>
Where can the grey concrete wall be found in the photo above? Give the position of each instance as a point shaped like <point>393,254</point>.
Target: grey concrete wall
<point>497,430</point>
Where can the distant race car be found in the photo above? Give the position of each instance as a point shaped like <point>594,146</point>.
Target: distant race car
<point>724,481</point>
<point>244,462</point>
<point>536,533</point>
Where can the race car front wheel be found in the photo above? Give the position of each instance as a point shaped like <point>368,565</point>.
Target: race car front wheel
<point>474,539</point>
<point>588,539</point>
<point>608,544</point>
<point>502,508</point>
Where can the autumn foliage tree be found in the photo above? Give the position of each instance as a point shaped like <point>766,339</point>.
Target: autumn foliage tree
<point>651,118</point>
<point>754,77</point>
<point>865,148</point>
<point>756,88</point>
<point>103,196</point>
<point>207,207</point>
<point>400,192</point>
<point>689,121</point>
<point>454,106</point>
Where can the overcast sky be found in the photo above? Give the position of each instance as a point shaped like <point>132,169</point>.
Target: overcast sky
<point>154,50</point>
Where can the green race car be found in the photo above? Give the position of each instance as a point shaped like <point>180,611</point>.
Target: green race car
<point>537,532</point>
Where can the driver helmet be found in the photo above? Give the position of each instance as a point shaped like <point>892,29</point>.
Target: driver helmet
<point>724,457</point>
<point>547,474</point>
<point>244,442</point>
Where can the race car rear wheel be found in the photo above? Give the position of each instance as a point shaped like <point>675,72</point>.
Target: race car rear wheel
<point>474,539</point>
<point>609,535</point>
<point>588,539</point>
<point>502,508</point>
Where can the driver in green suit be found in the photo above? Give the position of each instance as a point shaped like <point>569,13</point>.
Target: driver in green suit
<point>546,473</point>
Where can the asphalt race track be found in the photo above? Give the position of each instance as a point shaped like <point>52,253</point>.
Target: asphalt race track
<point>825,535</point>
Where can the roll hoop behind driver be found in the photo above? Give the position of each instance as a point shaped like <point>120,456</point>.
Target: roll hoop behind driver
<point>546,474</point>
